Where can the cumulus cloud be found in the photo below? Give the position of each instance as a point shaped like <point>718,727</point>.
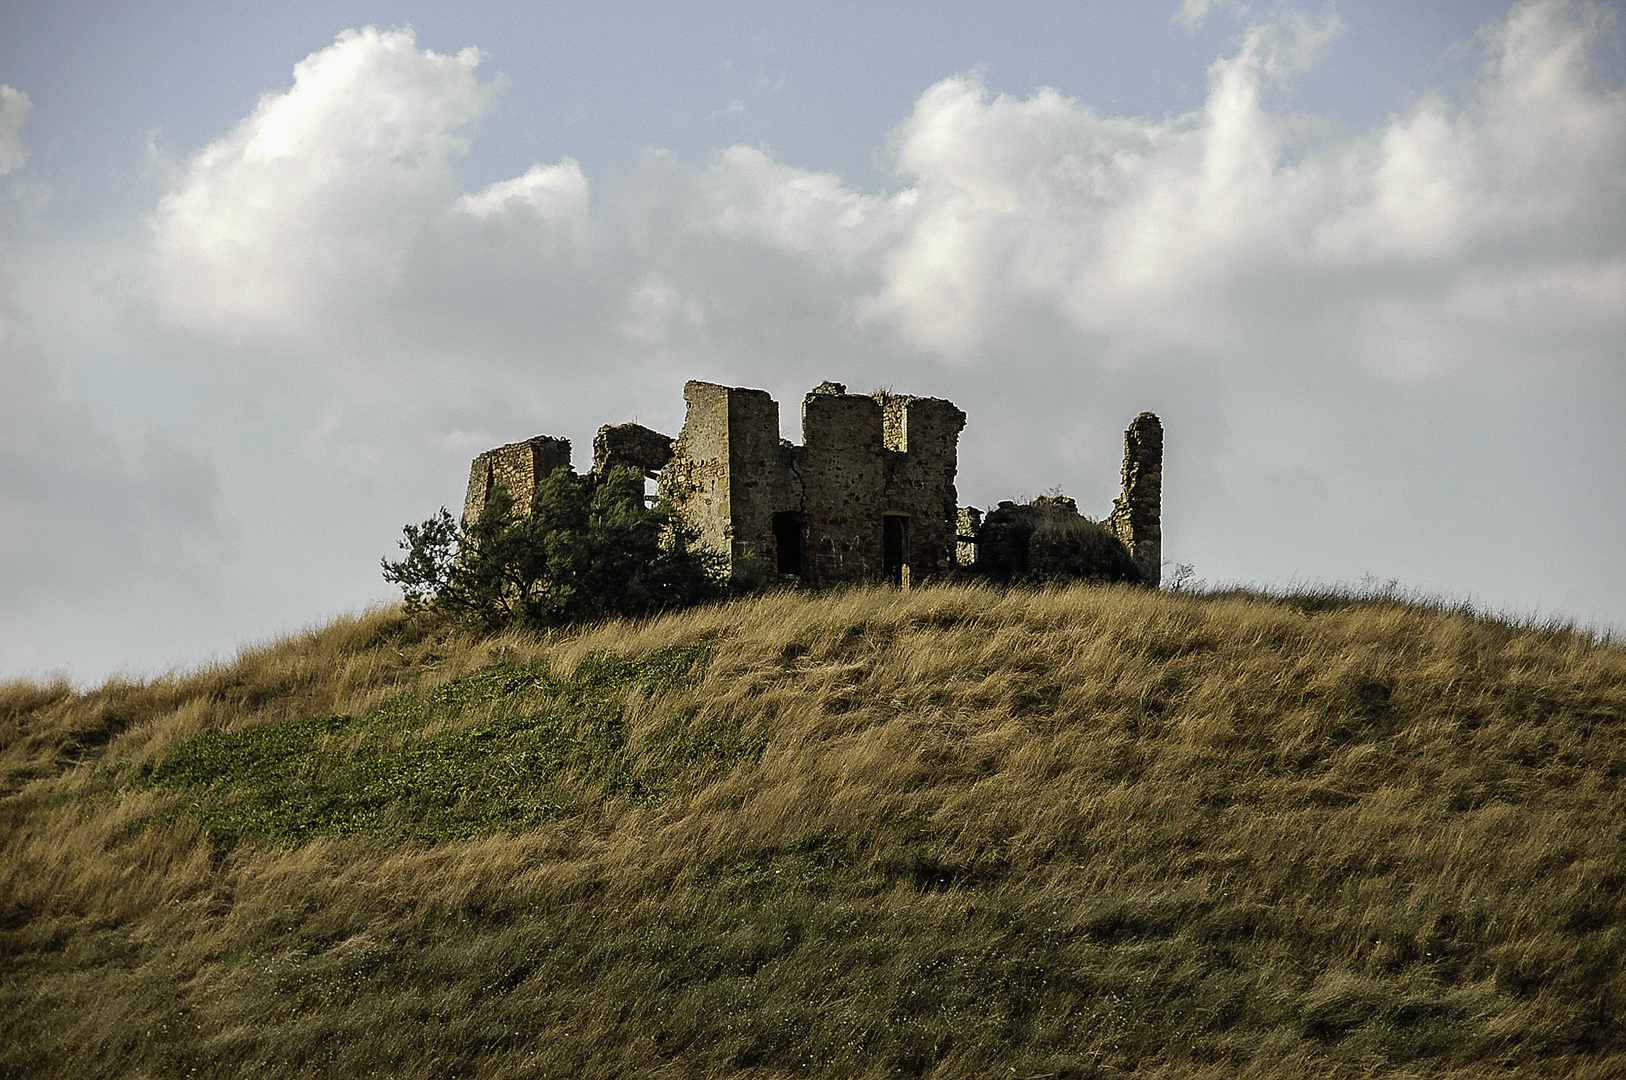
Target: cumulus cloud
<point>320,188</point>
<point>1188,231</point>
<point>316,200</point>
<point>1535,165</point>
<point>1451,238</point>
<point>557,194</point>
<point>1193,13</point>
<point>747,193</point>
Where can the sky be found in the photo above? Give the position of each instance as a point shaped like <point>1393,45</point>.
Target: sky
<point>271,275</point>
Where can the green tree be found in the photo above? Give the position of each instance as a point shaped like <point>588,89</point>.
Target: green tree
<point>587,550</point>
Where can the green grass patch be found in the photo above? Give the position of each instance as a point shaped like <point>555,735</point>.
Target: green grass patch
<point>417,767</point>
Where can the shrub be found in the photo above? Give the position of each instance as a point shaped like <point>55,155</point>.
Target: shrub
<point>1047,541</point>
<point>588,549</point>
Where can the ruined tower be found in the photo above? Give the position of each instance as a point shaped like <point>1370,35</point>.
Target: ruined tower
<point>1137,515</point>
<point>728,473</point>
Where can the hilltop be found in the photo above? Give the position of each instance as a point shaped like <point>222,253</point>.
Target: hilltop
<point>965,831</point>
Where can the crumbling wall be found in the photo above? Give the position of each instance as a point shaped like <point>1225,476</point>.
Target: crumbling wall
<point>921,437</point>
<point>728,473</point>
<point>758,481</point>
<point>844,485</point>
<point>870,467</point>
<point>1049,540</point>
<point>695,481</point>
<point>870,496</point>
<point>518,468</point>
<point>1137,515</point>
<point>1002,543</point>
<point>630,446</point>
<point>968,521</point>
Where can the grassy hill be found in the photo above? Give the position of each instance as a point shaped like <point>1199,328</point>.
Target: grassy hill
<point>947,832</point>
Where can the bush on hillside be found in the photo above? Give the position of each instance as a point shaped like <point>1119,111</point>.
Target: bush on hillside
<point>589,549</point>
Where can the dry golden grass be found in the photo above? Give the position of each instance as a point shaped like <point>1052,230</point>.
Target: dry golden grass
<point>945,832</point>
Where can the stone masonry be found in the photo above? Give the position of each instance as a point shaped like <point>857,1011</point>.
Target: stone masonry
<point>868,497</point>
<point>518,467</point>
<point>1137,515</point>
<point>631,446</point>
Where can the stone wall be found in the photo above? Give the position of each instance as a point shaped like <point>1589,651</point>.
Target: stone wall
<point>968,522</point>
<point>696,479</point>
<point>630,446</point>
<point>729,472</point>
<point>759,480</point>
<point>921,462</point>
<point>844,487</point>
<point>519,468</point>
<point>1048,540</point>
<point>868,497</point>
<point>866,458</point>
<point>1137,515</point>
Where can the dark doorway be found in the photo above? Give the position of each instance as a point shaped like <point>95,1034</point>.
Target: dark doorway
<point>790,534</point>
<point>895,548</point>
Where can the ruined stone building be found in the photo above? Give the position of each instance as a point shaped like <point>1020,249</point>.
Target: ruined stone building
<point>869,495</point>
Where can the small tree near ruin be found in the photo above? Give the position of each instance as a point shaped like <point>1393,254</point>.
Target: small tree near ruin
<point>589,548</point>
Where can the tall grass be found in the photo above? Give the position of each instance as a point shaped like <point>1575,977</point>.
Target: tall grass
<point>944,832</point>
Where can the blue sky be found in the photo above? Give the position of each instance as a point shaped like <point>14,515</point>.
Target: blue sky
<point>272,274</point>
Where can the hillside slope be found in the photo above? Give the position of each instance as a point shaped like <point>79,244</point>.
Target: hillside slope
<point>946,832</point>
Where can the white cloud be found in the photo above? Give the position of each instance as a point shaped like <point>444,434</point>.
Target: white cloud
<point>658,310</point>
<point>330,216</point>
<point>555,193</point>
<point>747,193</point>
<point>14,110</point>
<point>331,212</point>
<point>1201,231</point>
<point>1484,239</point>
<point>1193,13</point>
<point>1536,165</point>
<point>315,198</point>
